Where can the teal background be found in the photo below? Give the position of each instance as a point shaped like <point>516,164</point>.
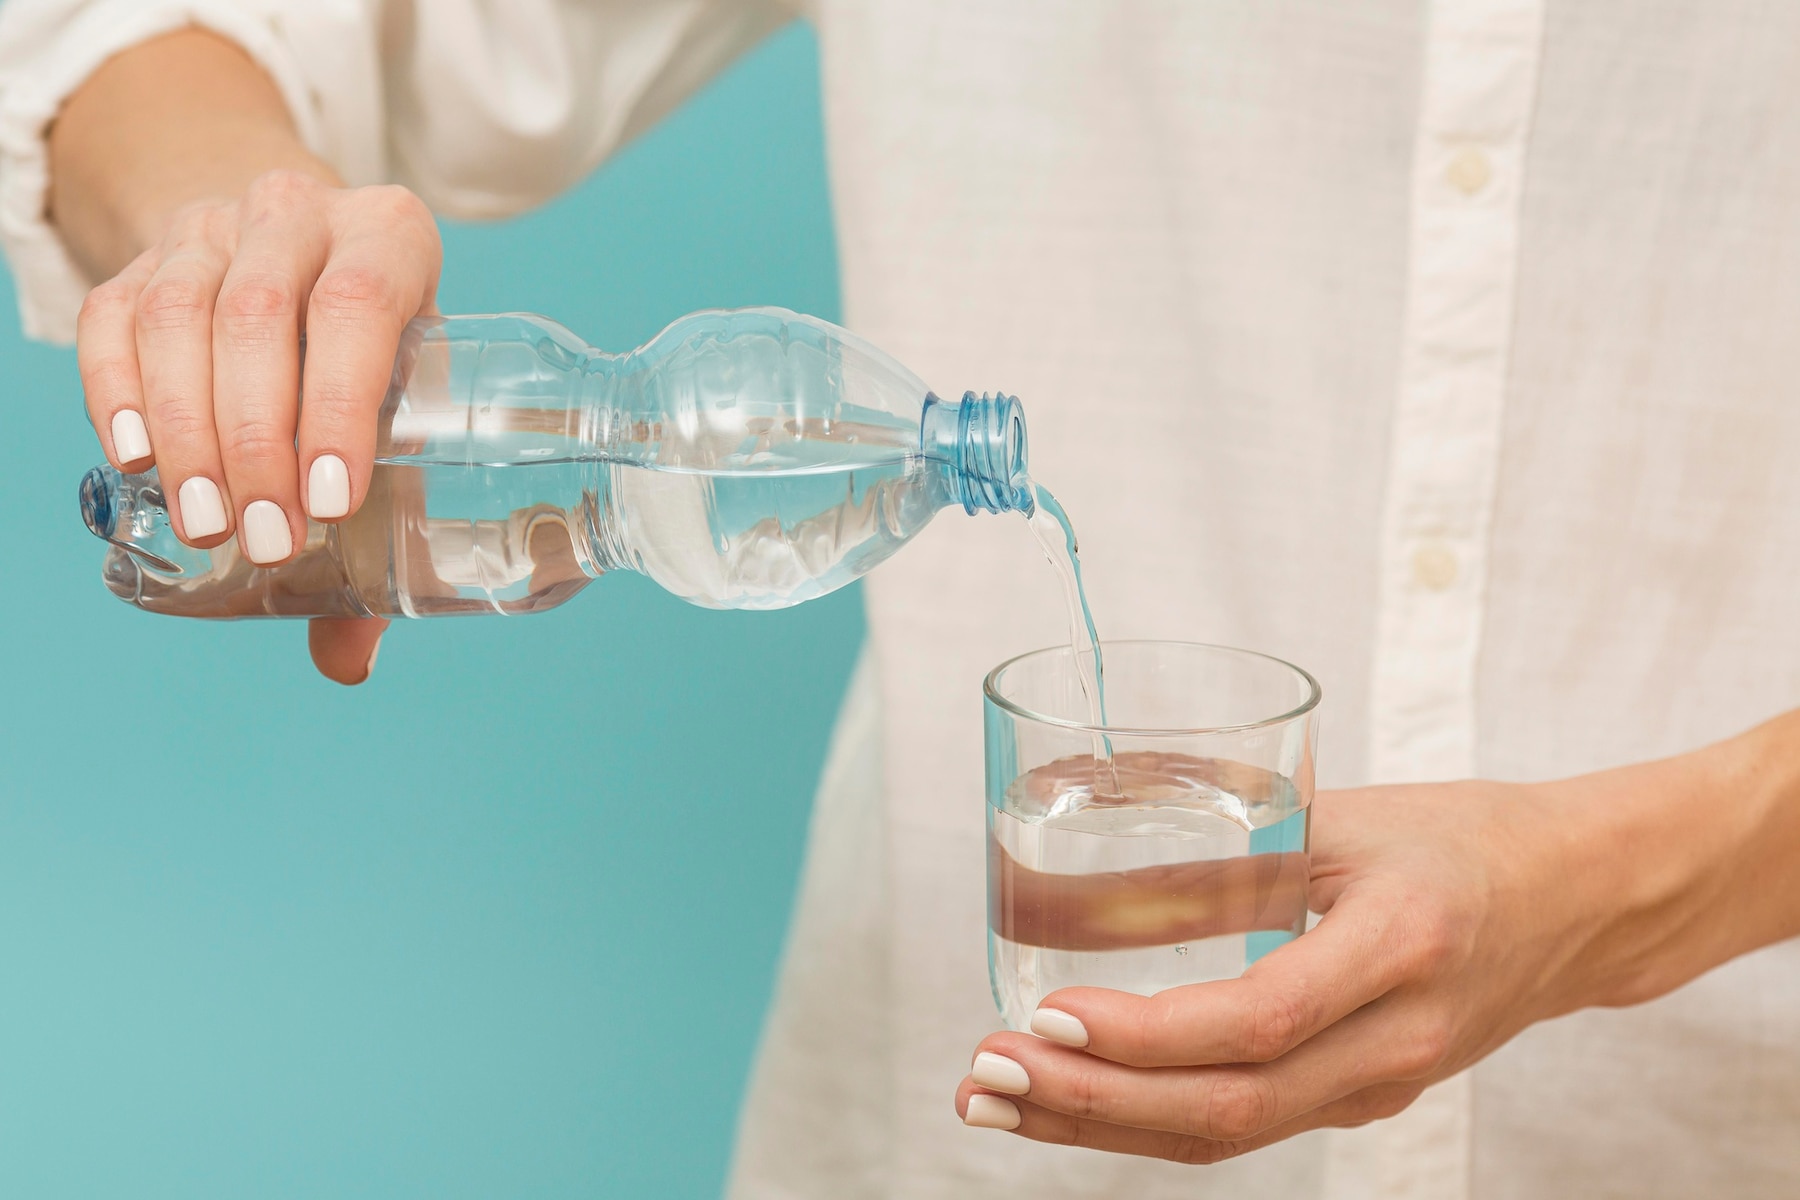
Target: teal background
<point>502,922</point>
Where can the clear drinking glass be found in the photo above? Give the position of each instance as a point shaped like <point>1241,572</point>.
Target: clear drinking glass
<point>1193,867</point>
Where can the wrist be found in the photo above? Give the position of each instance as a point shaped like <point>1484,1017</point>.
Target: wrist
<point>181,119</point>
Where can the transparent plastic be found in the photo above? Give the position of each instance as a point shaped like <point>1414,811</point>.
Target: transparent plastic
<point>752,459</point>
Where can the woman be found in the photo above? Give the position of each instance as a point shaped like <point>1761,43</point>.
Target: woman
<point>1446,349</point>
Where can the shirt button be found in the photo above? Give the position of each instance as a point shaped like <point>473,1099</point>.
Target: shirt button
<point>1434,566</point>
<point>1469,171</point>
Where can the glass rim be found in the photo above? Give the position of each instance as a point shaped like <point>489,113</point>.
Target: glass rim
<point>1310,702</point>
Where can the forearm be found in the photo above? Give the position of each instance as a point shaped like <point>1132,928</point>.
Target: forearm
<point>179,119</point>
<point>1759,775</point>
<point>1701,857</point>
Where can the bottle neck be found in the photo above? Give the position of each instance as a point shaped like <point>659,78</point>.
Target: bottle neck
<point>981,443</point>
<point>596,391</point>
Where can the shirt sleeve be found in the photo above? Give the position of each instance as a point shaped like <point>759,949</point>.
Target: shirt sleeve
<point>483,109</point>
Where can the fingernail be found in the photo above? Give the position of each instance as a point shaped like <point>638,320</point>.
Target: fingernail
<point>1058,1026</point>
<point>1000,1073</point>
<point>369,667</point>
<point>202,509</point>
<point>131,441</point>
<point>266,535</point>
<point>991,1112</point>
<point>328,488</point>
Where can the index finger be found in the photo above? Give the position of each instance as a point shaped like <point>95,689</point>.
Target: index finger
<point>1357,953</point>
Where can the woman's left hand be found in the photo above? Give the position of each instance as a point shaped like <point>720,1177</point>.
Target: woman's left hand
<point>1453,917</point>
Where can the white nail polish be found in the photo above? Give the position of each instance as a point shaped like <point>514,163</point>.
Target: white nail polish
<point>1053,1024</point>
<point>999,1073</point>
<point>202,508</point>
<point>991,1112</point>
<point>328,488</point>
<point>131,441</point>
<point>265,536</point>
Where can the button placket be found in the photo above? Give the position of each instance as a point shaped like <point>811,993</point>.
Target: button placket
<point>1480,80</point>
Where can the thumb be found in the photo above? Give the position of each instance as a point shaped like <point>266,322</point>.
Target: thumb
<point>344,648</point>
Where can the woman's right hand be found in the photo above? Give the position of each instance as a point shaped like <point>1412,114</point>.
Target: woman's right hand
<point>190,358</point>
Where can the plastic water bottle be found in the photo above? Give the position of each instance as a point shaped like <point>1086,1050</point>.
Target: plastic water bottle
<point>741,459</point>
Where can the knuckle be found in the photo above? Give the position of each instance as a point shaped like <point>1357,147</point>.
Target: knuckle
<point>396,203</point>
<point>1427,1049</point>
<point>1277,1023</point>
<point>181,426</point>
<point>1238,1105</point>
<point>202,222</point>
<point>353,294</point>
<point>257,309</point>
<point>1434,939</point>
<point>1146,1037</point>
<point>256,443</point>
<point>1081,1098</point>
<point>335,409</point>
<point>172,303</point>
<point>111,299</point>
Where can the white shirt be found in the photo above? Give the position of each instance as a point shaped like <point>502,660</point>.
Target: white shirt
<point>1447,349</point>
